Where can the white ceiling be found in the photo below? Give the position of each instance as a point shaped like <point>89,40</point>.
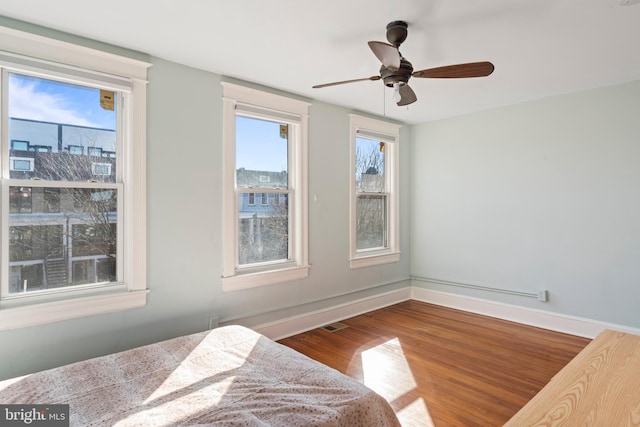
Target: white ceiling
<point>539,47</point>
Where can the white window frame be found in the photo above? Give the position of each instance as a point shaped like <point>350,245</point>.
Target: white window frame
<point>271,107</point>
<point>389,133</point>
<point>19,49</point>
<point>12,161</point>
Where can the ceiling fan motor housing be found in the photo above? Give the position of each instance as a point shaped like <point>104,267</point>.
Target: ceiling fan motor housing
<point>401,75</point>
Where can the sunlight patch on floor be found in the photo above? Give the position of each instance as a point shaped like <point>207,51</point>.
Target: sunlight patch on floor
<point>415,414</point>
<point>386,370</point>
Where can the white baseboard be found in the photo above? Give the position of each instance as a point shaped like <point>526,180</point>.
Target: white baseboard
<point>529,316</point>
<point>305,322</point>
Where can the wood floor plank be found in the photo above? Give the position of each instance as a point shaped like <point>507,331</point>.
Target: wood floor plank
<point>443,367</point>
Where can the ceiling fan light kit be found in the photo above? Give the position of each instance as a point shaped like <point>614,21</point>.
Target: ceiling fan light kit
<point>396,71</point>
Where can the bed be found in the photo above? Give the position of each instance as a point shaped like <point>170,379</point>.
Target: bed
<point>229,376</point>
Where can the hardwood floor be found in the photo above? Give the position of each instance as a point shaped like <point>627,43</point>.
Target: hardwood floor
<point>443,367</point>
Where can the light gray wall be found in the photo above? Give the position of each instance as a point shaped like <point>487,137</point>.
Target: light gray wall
<point>184,173</point>
<point>541,195</point>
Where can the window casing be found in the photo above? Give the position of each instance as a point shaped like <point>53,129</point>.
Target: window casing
<point>42,212</point>
<point>374,208</point>
<point>278,230</point>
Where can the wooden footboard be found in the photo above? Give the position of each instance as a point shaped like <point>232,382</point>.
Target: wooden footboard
<point>599,387</point>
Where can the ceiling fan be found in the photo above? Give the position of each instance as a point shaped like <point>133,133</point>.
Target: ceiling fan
<point>396,71</point>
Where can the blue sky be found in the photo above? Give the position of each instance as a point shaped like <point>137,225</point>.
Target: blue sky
<point>46,100</point>
<point>259,145</point>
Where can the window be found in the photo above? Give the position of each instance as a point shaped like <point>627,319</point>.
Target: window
<point>71,246</point>
<point>374,226</point>
<point>265,136</point>
<point>19,200</point>
<point>40,148</point>
<point>19,145</point>
<point>23,164</point>
<point>94,151</point>
<point>76,149</point>
<point>103,169</point>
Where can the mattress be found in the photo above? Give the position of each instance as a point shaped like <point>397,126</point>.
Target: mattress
<point>229,376</point>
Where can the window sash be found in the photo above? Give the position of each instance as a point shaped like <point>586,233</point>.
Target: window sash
<point>5,293</point>
<point>293,128</point>
<point>259,206</point>
<point>364,232</point>
<point>123,101</point>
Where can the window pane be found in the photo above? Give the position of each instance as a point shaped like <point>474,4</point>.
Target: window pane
<point>371,222</point>
<point>369,166</point>
<point>263,231</point>
<point>51,199</point>
<point>94,151</point>
<point>61,125</point>
<point>101,169</point>
<point>21,164</point>
<point>67,237</point>
<point>261,153</point>
<point>20,145</point>
<point>20,199</point>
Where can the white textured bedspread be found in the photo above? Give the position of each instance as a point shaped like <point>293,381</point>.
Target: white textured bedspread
<point>230,376</point>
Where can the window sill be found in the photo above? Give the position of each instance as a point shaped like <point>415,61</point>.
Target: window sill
<point>39,313</point>
<point>371,260</point>
<point>264,278</point>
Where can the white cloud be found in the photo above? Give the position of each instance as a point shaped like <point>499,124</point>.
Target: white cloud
<point>27,102</point>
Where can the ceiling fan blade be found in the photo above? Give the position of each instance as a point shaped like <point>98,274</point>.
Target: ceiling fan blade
<point>373,78</point>
<point>407,96</point>
<point>387,54</point>
<point>471,69</point>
